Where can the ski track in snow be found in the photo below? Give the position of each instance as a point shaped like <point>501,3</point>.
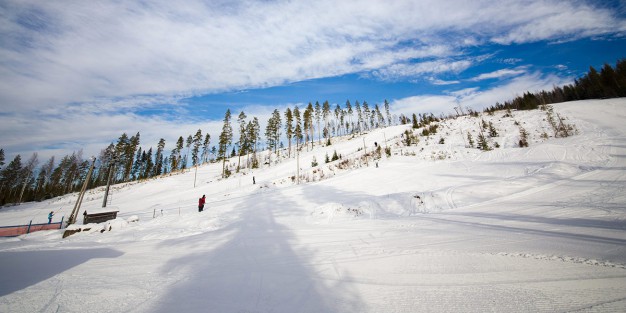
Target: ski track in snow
<point>435,228</point>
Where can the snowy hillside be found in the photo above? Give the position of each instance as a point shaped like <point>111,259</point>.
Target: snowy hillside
<point>438,226</point>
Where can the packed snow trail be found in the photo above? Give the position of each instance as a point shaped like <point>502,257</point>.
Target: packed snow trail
<point>541,229</point>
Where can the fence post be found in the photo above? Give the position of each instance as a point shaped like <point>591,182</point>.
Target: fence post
<point>61,225</point>
<point>28,230</point>
<point>154,213</point>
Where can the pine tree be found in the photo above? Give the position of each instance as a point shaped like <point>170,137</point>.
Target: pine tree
<point>272,131</point>
<point>366,115</point>
<point>137,165</point>
<point>387,112</point>
<point>318,117</point>
<point>359,113</point>
<point>325,115</point>
<point>206,148</point>
<point>129,152</point>
<point>241,119</point>
<point>158,158</point>
<point>175,157</point>
<point>197,142</point>
<point>148,164</point>
<point>308,122</point>
<point>226,138</point>
<point>289,128</point>
<point>188,144</point>
<point>10,178</point>
<point>298,128</point>
<point>349,113</point>
<point>337,112</point>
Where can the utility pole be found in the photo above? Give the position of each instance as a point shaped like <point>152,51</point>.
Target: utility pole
<point>79,201</point>
<point>194,176</point>
<point>365,150</point>
<point>106,193</point>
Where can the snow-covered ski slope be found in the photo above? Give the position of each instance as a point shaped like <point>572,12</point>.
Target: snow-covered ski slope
<point>434,228</point>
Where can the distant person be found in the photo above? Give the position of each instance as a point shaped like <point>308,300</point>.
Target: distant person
<point>201,203</point>
<point>253,180</point>
<point>50,215</point>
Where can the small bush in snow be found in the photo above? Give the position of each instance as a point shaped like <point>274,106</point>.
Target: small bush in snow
<point>470,140</point>
<point>523,141</point>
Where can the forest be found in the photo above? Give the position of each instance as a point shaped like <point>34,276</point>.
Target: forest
<point>125,160</point>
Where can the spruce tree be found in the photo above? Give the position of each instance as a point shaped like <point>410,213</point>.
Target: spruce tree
<point>470,140</point>
<point>492,130</point>
<point>482,142</point>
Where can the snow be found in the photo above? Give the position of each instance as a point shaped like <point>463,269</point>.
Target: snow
<point>434,228</point>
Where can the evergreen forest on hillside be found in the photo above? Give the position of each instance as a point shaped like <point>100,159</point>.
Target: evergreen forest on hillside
<point>23,180</point>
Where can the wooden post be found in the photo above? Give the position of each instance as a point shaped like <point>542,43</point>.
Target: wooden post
<point>365,150</point>
<point>28,230</point>
<point>79,201</point>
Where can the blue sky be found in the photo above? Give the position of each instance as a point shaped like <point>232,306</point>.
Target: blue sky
<point>75,74</point>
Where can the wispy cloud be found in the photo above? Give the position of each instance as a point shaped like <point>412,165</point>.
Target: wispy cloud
<point>60,52</point>
<point>500,73</point>
<point>116,58</point>
<point>410,71</point>
<point>476,98</point>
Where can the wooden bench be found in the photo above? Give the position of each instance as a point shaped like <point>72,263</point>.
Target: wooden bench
<point>99,217</point>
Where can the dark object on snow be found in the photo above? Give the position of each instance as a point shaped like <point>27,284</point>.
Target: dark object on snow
<point>99,217</point>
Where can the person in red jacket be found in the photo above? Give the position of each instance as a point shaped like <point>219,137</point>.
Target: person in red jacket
<point>201,204</point>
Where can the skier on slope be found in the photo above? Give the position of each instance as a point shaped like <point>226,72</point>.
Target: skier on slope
<point>50,215</point>
<point>201,203</point>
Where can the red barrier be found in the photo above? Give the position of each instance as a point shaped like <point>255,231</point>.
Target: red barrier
<point>12,231</point>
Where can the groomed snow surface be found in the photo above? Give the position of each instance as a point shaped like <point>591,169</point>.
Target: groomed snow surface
<point>434,228</point>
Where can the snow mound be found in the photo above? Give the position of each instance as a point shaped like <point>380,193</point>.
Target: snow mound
<point>388,206</point>
<point>331,212</point>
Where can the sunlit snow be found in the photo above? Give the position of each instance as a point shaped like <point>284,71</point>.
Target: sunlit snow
<point>433,228</point>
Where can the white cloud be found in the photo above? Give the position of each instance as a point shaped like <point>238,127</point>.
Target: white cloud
<point>89,59</point>
<point>440,82</point>
<point>403,71</point>
<point>60,52</point>
<point>500,73</point>
<point>475,98</point>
